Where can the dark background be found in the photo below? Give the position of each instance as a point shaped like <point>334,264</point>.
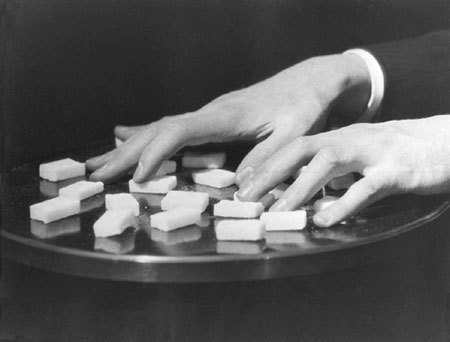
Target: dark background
<point>71,70</point>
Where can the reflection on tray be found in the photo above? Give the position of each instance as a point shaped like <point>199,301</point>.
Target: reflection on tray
<point>121,244</point>
<point>70,225</point>
<point>298,238</point>
<point>204,220</point>
<point>51,189</point>
<point>92,203</point>
<point>240,247</point>
<point>182,235</point>
<point>330,234</point>
<point>220,194</point>
<point>149,200</point>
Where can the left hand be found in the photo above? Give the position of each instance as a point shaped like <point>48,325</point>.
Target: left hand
<point>393,157</point>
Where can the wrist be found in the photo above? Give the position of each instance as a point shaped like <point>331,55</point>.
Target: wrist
<point>346,85</point>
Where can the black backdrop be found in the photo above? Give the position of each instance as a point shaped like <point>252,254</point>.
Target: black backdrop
<point>72,69</point>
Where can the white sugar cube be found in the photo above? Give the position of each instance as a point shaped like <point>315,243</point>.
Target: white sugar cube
<point>122,201</point>
<point>203,160</point>
<point>188,199</point>
<point>216,178</point>
<point>240,247</point>
<point>342,182</point>
<point>167,166</point>
<point>81,190</point>
<point>54,209</point>
<point>158,185</point>
<point>70,225</point>
<point>51,189</point>
<point>182,235</point>
<point>279,190</point>
<point>240,230</point>
<point>61,169</point>
<point>114,222</point>
<point>284,220</point>
<point>238,209</point>
<point>115,245</point>
<point>118,141</point>
<point>324,202</point>
<point>175,218</point>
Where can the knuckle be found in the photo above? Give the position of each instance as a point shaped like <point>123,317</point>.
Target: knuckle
<point>329,156</point>
<point>171,124</point>
<point>371,189</point>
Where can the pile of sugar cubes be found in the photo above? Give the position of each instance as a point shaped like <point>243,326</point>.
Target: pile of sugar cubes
<point>234,220</point>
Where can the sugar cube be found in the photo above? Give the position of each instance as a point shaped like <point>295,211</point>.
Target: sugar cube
<point>279,190</point>
<point>70,225</point>
<point>216,178</point>
<point>167,166</point>
<point>122,201</point>
<point>284,220</point>
<point>61,169</point>
<point>182,235</point>
<point>81,190</point>
<point>158,185</point>
<point>240,230</point>
<point>114,222</point>
<point>324,203</point>
<point>51,189</point>
<point>175,199</point>
<point>54,209</point>
<point>342,182</point>
<point>240,247</point>
<point>175,218</point>
<point>116,244</point>
<point>238,209</point>
<point>203,160</point>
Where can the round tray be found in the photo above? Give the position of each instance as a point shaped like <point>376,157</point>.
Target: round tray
<point>190,254</point>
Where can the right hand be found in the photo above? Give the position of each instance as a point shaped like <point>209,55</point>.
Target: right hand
<point>293,103</point>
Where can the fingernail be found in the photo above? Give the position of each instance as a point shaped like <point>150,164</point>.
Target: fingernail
<point>280,205</point>
<point>100,171</point>
<point>139,171</point>
<point>245,175</point>
<point>322,219</point>
<point>245,190</point>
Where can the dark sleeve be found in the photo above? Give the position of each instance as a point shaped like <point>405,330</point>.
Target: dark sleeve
<point>417,74</point>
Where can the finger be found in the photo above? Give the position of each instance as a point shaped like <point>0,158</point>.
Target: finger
<point>278,168</point>
<point>325,165</point>
<point>259,154</point>
<point>360,195</point>
<point>125,132</point>
<point>126,156</point>
<point>165,144</point>
<point>97,162</point>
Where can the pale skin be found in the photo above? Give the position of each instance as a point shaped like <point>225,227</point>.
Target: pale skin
<point>284,115</point>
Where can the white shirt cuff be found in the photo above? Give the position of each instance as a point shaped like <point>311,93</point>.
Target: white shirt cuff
<point>377,84</point>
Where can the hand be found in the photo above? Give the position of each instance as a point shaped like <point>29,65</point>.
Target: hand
<point>393,157</point>
<point>274,112</point>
